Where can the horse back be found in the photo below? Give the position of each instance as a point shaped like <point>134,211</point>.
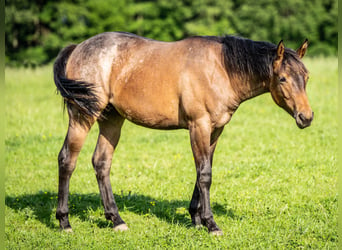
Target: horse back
<point>152,83</point>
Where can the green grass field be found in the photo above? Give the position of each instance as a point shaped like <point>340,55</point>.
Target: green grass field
<point>274,185</point>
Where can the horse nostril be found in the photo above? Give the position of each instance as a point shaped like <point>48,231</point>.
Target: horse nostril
<point>302,117</point>
<point>305,119</point>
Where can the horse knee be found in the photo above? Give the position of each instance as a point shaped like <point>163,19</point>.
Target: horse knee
<point>205,178</point>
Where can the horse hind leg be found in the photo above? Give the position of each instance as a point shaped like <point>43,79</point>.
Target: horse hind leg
<point>109,135</point>
<point>76,135</point>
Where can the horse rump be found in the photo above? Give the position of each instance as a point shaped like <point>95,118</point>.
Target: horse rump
<point>76,93</point>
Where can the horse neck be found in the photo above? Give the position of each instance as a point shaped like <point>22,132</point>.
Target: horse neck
<point>250,87</point>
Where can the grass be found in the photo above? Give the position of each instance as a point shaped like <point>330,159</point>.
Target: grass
<point>274,185</point>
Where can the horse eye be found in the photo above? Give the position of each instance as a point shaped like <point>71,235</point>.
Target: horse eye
<point>282,79</point>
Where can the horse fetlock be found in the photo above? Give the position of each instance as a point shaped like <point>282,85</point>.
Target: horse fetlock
<point>63,220</point>
<point>208,221</point>
<point>212,227</point>
<point>196,220</point>
<point>116,219</point>
<point>61,213</point>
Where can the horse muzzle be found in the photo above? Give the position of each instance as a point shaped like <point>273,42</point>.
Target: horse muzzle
<point>304,120</point>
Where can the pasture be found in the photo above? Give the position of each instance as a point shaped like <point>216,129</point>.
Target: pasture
<point>274,185</point>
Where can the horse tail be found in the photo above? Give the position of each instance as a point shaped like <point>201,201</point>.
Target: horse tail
<point>77,93</point>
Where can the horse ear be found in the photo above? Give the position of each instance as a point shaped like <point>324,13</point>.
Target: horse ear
<point>302,49</point>
<point>280,55</point>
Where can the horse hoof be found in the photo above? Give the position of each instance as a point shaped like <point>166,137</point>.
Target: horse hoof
<point>216,233</point>
<point>120,228</point>
<point>67,230</point>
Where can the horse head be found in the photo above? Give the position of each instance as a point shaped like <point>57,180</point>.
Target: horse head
<point>288,83</point>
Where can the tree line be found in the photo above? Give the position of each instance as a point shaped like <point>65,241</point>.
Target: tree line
<point>36,30</point>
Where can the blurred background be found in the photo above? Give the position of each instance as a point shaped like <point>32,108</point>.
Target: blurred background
<point>37,30</point>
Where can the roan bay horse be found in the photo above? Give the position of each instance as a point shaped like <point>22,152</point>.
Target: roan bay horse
<point>195,84</point>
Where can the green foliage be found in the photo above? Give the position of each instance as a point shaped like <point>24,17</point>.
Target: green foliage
<point>274,185</point>
<point>292,21</point>
<point>37,30</point>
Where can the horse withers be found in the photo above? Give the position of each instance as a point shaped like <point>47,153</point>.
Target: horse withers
<point>195,84</point>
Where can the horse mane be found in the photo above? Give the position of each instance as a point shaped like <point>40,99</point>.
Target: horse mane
<point>245,58</point>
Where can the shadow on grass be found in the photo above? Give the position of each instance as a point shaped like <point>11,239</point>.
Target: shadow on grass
<point>42,207</point>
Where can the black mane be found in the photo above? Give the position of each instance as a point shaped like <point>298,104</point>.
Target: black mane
<point>247,58</point>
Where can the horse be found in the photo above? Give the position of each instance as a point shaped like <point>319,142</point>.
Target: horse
<point>196,83</point>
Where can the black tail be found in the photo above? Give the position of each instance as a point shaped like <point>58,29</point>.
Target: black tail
<point>79,93</point>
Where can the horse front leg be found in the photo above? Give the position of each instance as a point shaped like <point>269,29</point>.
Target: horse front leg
<point>203,143</point>
<point>194,208</point>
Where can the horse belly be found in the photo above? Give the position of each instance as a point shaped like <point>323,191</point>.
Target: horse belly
<point>149,108</point>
